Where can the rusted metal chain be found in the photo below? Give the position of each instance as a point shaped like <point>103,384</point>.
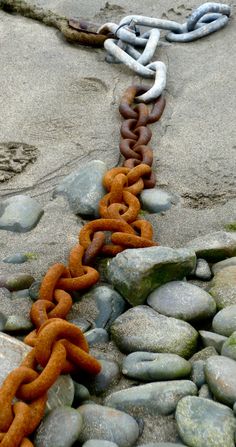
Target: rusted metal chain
<point>57,345</point>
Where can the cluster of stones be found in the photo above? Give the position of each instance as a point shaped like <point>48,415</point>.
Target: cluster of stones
<point>163,325</point>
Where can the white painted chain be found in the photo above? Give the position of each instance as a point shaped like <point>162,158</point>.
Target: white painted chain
<point>206,19</point>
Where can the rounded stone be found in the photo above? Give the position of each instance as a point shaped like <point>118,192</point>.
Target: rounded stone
<point>16,281</point>
<point>141,328</point>
<point>162,444</point>
<point>229,347</point>
<point>198,374</point>
<point>148,366</point>
<point>99,443</point>
<point>61,393</point>
<point>96,336</point>
<point>84,188</point>
<point>212,339</point>
<point>155,200</point>
<point>224,322</point>
<point>81,394</point>
<point>18,323</point>
<point>60,428</point>
<point>220,373</point>
<point>34,290</point>
<point>223,264</point>
<point>202,422</point>
<point>19,213</point>
<point>223,287</point>
<point>101,422</point>
<point>157,398</point>
<point>16,311</point>
<point>182,300</point>
<point>214,246</point>
<point>205,392</point>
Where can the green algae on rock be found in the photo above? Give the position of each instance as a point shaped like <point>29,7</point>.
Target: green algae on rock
<point>136,273</point>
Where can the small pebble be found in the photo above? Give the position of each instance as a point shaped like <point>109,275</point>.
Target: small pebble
<point>198,374</point>
<point>34,290</point>
<point>16,281</point>
<point>18,258</point>
<point>156,200</point>
<point>108,376</point>
<point>203,270</point>
<point>81,394</point>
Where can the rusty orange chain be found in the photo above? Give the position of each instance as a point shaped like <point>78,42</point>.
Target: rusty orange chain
<point>59,347</point>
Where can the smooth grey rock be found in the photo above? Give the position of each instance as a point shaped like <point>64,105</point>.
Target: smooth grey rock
<point>16,281</point>
<point>157,398</point>
<point>136,273</point>
<point>13,351</point>
<point>156,200</point>
<point>223,264</point>
<point>17,258</point>
<point>108,376</point>
<point>212,339</point>
<point>34,290</point>
<point>101,422</point>
<point>180,299</point>
<point>223,287</point>
<point>83,324</point>
<point>101,305</point>
<point>229,347</point>
<point>81,394</point>
<point>204,423</point>
<point>20,294</point>
<point>19,213</point>
<point>203,270</point>
<point>16,311</point>
<point>141,328</point>
<point>198,374</point>
<point>99,443</point>
<point>149,366</point>
<point>205,392</point>
<point>60,428</point>
<point>97,335</point>
<point>83,188</point>
<point>203,354</point>
<point>224,322</point>
<point>220,373</point>
<point>214,246</point>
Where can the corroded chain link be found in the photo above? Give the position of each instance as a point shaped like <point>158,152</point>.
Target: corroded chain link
<point>59,347</point>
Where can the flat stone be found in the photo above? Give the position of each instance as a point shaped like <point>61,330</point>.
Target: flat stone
<point>17,258</point>
<point>156,200</point>
<point>214,246</point>
<point>16,281</point>
<point>224,322</point>
<point>220,373</point>
<point>203,270</point>
<point>223,287</point>
<point>212,339</point>
<point>107,377</point>
<point>101,306</point>
<point>60,428</point>
<point>19,213</point>
<point>149,366</point>
<point>84,189</point>
<point>12,353</point>
<point>158,398</point>
<point>101,422</point>
<point>202,422</point>
<point>136,273</point>
<point>222,264</point>
<point>229,347</point>
<point>141,328</point>
<point>180,299</point>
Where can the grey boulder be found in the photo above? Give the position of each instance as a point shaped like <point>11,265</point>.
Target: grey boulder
<point>136,273</point>
<point>214,246</point>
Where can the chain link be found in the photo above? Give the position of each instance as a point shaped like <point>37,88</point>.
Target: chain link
<point>206,19</point>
